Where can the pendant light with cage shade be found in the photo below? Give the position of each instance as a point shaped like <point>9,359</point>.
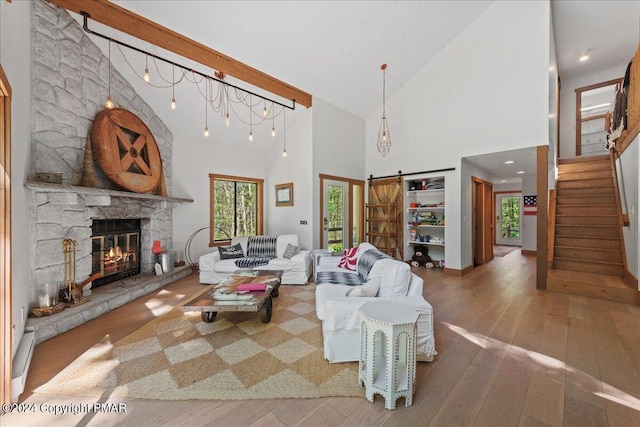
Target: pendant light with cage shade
<point>384,136</point>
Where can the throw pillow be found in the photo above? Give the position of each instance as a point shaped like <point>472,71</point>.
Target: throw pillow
<point>368,289</point>
<point>290,251</point>
<point>349,259</point>
<point>230,252</point>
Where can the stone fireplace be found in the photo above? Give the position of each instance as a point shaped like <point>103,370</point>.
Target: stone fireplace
<point>68,212</point>
<point>115,249</point>
<point>69,83</point>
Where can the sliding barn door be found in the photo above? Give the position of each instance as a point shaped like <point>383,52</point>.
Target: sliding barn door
<point>384,216</point>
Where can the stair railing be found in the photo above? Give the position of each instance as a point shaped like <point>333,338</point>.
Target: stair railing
<point>612,159</point>
<point>623,194</point>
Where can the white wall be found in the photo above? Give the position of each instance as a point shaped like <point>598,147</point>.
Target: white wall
<point>627,168</point>
<point>483,93</point>
<point>468,170</point>
<point>295,168</point>
<point>512,186</point>
<point>568,105</point>
<point>338,150</point>
<point>191,180</point>
<point>15,40</point>
<point>553,106</point>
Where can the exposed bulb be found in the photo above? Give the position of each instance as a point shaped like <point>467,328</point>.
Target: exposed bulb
<point>273,131</point>
<point>227,119</point>
<point>250,136</point>
<point>173,103</point>
<point>384,136</point>
<point>264,112</point>
<point>206,131</point>
<point>109,103</point>
<point>146,75</point>
<point>284,153</point>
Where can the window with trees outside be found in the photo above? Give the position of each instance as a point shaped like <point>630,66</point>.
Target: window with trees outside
<point>236,207</point>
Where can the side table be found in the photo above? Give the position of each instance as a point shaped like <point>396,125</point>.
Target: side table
<point>317,254</point>
<point>388,351</point>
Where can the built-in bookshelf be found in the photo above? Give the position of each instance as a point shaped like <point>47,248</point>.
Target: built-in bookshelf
<point>425,215</point>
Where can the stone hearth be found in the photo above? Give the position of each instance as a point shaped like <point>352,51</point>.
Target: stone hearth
<point>102,300</point>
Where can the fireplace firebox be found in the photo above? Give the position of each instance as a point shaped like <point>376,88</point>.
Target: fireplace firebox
<point>115,249</point>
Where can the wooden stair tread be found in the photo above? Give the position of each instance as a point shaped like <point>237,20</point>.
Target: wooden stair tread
<point>581,196</point>
<point>589,278</point>
<point>587,215</point>
<point>588,206</point>
<point>608,188</point>
<point>582,159</point>
<point>579,248</point>
<point>587,225</point>
<point>595,285</point>
<point>596,237</point>
<point>616,264</point>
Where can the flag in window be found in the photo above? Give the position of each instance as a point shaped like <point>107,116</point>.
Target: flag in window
<point>530,205</point>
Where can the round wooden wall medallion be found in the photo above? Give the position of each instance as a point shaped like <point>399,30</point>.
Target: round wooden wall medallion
<point>126,151</point>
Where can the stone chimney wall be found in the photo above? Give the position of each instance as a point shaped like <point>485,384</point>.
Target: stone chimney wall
<point>69,84</point>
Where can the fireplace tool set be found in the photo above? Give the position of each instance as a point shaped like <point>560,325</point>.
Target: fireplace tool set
<point>53,298</point>
<point>71,292</point>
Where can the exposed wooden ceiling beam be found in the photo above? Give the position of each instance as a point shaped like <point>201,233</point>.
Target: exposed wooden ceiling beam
<point>124,20</point>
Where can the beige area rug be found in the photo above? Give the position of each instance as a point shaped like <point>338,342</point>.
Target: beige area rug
<point>177,356</point>
<point>502,250</point>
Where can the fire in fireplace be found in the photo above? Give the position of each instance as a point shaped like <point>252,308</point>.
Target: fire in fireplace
<point>115,249</point>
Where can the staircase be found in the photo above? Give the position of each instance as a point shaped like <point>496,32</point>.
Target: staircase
<point>588,250</point>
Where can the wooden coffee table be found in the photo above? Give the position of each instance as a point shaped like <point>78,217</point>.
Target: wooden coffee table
<point>224,296</point>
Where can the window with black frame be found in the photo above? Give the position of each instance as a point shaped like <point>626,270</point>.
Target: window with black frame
<point>236,207</point>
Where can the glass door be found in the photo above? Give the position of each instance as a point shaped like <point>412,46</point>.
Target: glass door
<point>335,215</point>
<point>508,219</point>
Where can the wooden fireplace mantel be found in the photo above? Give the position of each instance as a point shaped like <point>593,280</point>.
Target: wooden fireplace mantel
<point>65,188</point>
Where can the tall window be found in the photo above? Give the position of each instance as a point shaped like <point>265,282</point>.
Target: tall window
<point>236,207</point>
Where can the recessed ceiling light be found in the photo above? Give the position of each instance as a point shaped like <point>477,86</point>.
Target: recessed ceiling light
<point>521,172</point>
<point>508,162</point>
<point>583,57</point>
<point>504,180</point>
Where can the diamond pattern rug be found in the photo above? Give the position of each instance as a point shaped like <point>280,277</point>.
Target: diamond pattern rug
<point>177,356</point>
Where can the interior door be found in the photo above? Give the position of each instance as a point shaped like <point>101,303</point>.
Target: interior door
<point>487,218</point>
<point>335,215</point>
<point>481,221</point>
<point>508,219</point>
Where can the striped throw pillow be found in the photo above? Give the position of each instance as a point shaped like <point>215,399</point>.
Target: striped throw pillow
<point>349,259</point>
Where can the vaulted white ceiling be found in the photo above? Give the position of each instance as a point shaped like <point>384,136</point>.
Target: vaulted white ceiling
<point>333,49</point>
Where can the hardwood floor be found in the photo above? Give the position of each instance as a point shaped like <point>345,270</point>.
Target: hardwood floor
<point>508,355</point>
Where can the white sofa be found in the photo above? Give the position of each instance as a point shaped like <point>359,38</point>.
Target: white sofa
<point>340,313</point>
<point>296,271</point>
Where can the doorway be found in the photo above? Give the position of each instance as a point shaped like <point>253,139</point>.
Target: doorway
<point>508,219</point>
<point>341,212</point>
<point>481,221</point>
<point>335,215</point>
<point>5,237</point>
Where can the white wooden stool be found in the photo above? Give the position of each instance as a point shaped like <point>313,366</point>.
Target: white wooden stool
<point>388,351</point>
